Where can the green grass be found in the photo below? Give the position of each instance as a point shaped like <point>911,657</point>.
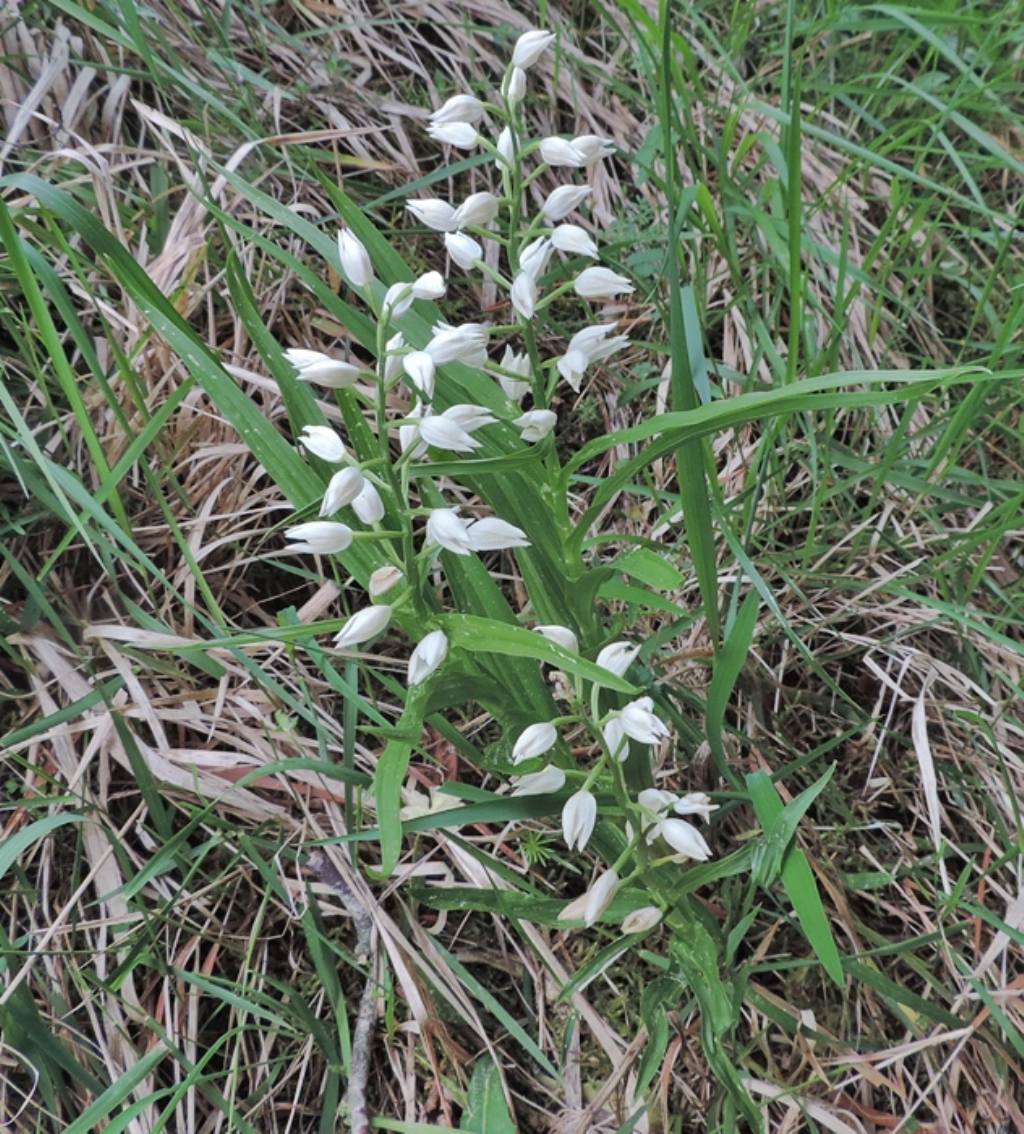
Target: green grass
<point>176,740</point>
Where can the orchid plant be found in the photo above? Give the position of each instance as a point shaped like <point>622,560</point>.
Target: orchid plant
<point>451,464</point>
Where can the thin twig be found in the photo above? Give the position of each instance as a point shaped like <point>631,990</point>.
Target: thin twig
<point>366,949</point>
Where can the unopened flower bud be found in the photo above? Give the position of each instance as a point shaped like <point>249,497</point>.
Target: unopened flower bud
<point>461,135</point>
<point>562,201</point>
<point>533,741</point>
<point>578,818</point>
<point>312,366</point>
<point>535,425</point>
<point>640,921</point>
<point>322,442</point>
<point>506,148</point>
<point>524,295</point>
<point>574,240</point>
<point>463,249</point>
<point>545,782</point>
<point>438,215</point>
<point>428,655</point>
<point>344,487</point>
<point>363,625</point>
<point>601,283</point>
<point>514,87</point>
<point>319,537</point>
<point>383,579</point>
<point>459,108</point>
<point>368,505</point>
<point>561,636</point>
<point>530,46</point>
<point>355,260</point>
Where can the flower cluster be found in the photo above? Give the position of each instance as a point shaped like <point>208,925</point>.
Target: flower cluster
<point>407,403</point>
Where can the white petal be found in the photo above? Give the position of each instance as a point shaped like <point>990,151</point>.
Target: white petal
<point>322,442</point>
<point>438,215</point>
<point>478,210</point>
<point>492,534</point>
<point>445,528</point>
<point>524,295</point>
<point>535,425</point>
<point>561,636</point>
<point>617,657</point>
<point>444,434</point>
<point>563,200</point>
<point>574,240</point>
<point>599,896</point>
<point>312,366</point>
<point>463,249</point>
<point>320,537</point>
<point>469,417</point>
<point>363,625</point>
<point>533,741</point>
<point>601,283</point>
<point>530,46</point>
<point>427,657</point>
<point>368,505</point>
<point>545,782</point>
<point>343,488</point>
<point>559,152</point>
<point>383,579</point>
<point>578,818</point>
<point>430,285</point>
<point>459,108</point>
<point>534,258</point>
<point>355,260</point>
<point>461,135</point>
<point>695,803</point>
<point>640,921</point>
<point>420,369</point>
<point>615,739</point>
<point>592,148</point>
<point>684,838</point>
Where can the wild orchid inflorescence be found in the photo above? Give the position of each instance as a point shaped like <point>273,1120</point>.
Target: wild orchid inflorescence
<point>546,256</point>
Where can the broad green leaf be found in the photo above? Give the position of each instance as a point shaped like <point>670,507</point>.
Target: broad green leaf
<point>728,663</point>
<point>649,568</point>
<point>390,776</point>
<point>797,876</point>
<point>481,635</point>
<point>486,1109</point>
